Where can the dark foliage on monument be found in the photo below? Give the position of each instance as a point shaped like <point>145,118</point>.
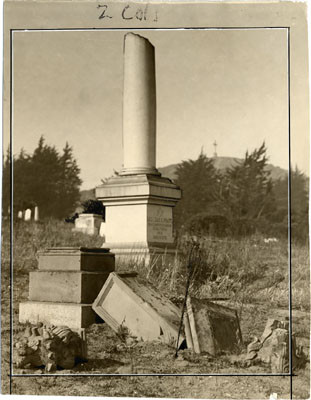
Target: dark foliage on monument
<point>45,179</point>
<point>93,207</point>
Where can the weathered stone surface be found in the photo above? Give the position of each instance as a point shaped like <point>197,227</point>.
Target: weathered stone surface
<point>139,106</point>
<point>123,301</point>
<point>49,346</point>
<point>213,328</point>
<point>274,349</point>
<point>76,259</point>
<point>65,286</point>
<point>75,316</point>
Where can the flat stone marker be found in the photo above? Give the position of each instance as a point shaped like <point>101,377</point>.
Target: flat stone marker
<point>213,328</point>
<point>147,314</point>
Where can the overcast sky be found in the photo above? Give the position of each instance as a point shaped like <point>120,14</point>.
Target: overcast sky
<point>223,85</point>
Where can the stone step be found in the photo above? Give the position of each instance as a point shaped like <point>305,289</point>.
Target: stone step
<point>76,259</point>
<point>75,316</point>
<point>65,286</point>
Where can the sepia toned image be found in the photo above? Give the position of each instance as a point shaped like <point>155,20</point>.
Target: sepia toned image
<point>155,200</point>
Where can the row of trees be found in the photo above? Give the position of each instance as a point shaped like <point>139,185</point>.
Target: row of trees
<point>45,179</point>
<point>242,200</point>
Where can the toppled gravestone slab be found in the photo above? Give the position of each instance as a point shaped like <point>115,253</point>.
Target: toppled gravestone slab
<point>211,328</point>
<point>148,315</point>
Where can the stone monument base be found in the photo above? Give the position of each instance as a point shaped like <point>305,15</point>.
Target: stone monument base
<point>62,290</point>
<point>142,254</point>
<point>139,217</point>
<point>75,316</point>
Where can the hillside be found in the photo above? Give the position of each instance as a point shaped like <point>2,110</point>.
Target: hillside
<point>221,163</point>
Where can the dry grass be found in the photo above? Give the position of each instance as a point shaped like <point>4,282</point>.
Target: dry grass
<point>251,273</point>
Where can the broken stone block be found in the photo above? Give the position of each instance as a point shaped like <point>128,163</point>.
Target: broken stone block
<point>49,346</point>
<point>148,315</point>
<point>274,350</point>
<point>213,328</point>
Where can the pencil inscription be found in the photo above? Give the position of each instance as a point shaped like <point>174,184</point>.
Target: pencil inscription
<point>128,13</point>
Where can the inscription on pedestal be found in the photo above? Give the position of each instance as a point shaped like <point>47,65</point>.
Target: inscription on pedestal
<point>160,224</point>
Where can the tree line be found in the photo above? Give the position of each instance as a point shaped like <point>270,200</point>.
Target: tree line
<point>242,200</point>
<point>46,179</point>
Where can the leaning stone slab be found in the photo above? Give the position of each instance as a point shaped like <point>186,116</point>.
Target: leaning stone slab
<point>76,259</point>
<point>212,328</point>
<point>148,315</point>
<point>65,286</point>
<point>75,316</point>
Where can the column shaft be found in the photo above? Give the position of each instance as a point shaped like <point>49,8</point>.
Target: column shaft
<point>139,107</point>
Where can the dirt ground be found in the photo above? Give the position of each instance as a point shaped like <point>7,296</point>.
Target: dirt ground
<point>107,354</point>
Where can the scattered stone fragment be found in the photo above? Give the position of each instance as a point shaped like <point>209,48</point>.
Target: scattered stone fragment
<point>273,348</point>
<point>49,346</point>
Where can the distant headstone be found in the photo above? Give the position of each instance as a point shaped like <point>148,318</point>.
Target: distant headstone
<point>20,214</point>
<point>88,223</point>
<point>36,217</point>
<point>28,214</point>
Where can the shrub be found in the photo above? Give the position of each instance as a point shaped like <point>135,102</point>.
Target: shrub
<point>93,207</point>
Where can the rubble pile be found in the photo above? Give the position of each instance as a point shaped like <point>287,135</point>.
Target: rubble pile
<point>273,347</point>
<point>50,347</point>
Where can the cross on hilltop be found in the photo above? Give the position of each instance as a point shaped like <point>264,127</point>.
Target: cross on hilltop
<point>215,146</point>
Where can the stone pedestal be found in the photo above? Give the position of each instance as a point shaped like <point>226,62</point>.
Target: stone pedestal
<point>62,291</point>
<point>139,216</point>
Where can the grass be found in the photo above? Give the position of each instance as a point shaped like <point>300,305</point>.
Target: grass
<point>253,276</point>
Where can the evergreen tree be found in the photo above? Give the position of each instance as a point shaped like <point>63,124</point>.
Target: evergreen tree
<point>299,204</point>
<point>199,182</point>
<point>69,183</point>
<point>44,179</point>
<point>247,192</point>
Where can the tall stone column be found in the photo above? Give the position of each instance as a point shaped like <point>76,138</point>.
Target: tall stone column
<point>139,201</point>
<point>139,107</point>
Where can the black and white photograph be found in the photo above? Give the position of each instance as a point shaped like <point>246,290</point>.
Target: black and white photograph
<point>155,193</point>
